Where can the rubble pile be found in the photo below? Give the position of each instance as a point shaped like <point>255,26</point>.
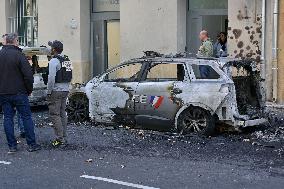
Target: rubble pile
<point>275,130</point>
<point>270,135</point>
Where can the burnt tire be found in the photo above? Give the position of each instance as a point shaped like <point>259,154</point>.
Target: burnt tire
<point>196,120</point>
<point>78,108</point>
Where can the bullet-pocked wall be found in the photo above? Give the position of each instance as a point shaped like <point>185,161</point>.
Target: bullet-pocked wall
<point>158,25</point>
<point>69,22</point>
<point>245,30</point>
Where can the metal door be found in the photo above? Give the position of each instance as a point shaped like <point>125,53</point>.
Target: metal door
<point>157,105</point>
<point>113,43</point>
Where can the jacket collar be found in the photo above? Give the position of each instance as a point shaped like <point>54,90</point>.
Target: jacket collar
<point>12,47</point>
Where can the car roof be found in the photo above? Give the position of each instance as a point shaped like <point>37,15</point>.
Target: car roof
<point>30,51</point>
<point>220,62</point>
<point>173,60</point>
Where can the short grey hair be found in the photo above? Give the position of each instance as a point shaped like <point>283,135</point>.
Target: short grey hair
<point>204,32</point>
<point>11,37</point>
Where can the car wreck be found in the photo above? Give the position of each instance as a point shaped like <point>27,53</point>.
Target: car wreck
<point>39,94</point>
<point>160,91</point>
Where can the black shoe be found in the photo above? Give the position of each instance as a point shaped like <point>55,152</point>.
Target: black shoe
<point>12,150</point>
<point>33,148</point>
<point>22,135</point>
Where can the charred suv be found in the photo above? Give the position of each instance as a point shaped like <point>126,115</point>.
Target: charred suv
<point>160,92</point>
<point>39,94</point>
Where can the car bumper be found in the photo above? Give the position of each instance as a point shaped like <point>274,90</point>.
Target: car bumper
<point>252,122</point>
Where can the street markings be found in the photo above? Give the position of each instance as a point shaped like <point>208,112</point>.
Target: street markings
<point>117,182</point>
<point>5,162</point>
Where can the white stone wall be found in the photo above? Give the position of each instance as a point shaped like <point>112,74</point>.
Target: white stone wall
<point>54,24</point>
<point>2,17</point>
<point>158,25</point>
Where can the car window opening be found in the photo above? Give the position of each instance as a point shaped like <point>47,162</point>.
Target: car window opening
<point>165,72</point>
<point>126,73</point>
<point>204,72</point>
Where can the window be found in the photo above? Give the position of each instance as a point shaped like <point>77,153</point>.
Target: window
<point>126,73</point>
<point>24,21</point>
<point>204,72</point>
<point>165,72</point>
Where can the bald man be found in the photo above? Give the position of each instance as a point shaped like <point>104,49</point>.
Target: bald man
<point>205,51</point>
<point>206,48</point>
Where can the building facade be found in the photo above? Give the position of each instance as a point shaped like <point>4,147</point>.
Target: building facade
<point>99,34</point>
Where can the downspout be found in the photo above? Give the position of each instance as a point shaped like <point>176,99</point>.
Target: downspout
<point>263,44</point>
<point>275,52</point>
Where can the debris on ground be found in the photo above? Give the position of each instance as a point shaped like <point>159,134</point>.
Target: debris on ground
<point>89,160</point>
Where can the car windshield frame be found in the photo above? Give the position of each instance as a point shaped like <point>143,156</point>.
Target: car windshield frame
<point>111,70</point>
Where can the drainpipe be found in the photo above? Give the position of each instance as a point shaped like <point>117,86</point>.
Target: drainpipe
<point>263,47</point>
<point>275,52</point>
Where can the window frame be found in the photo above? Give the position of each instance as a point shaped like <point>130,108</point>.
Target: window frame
<point>193,77</point>
<point>26,25</point>
<point>146,70</point>
<point>109,71</point>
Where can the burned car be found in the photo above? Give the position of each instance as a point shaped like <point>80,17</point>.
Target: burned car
<point>40,70</point>
<point>161,92</point>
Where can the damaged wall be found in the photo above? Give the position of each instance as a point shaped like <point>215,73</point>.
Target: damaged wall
<point>152,25</point>
<point>244,30</point>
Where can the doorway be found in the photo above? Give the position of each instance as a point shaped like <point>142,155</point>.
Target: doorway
<point>106,44</point>
<point>207,15</point>
<point>113,43</point>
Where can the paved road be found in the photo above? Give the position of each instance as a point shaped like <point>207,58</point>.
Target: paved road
<point>127,158</point>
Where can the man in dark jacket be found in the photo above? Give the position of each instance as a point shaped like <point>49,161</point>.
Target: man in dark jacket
<point>16,83</point>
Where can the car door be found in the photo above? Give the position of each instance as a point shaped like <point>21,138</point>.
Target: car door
<point>207,91</point>
<point>111,97</point>
<point>156,92</point>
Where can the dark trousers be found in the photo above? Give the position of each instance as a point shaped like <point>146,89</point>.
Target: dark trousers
<point>204,72</point>
<point>21,103</point>
<point>57,113</point>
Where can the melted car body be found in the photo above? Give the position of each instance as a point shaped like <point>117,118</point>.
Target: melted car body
<point>156,91</point>
<point>39,94</point>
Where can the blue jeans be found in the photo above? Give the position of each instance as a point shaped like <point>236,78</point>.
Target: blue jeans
<point>20,124</point>
<point>21,103</point>
<point>204,72</point>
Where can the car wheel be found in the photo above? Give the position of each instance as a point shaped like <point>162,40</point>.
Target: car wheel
<point>196,120</point>
<point>78,108</point>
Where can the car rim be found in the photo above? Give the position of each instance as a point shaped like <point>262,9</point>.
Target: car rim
<point>77,108</point>
<point>195,120</point>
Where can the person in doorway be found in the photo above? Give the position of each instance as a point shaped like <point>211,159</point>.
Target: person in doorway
<point>205,51</point>
<point>206,48</point>
<point>220,47</point>
<point>59,78</point>
<point>14,92</point>
<point>19,119</point>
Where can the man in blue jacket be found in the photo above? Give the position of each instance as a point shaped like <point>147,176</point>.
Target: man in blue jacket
<point>16,83</point>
